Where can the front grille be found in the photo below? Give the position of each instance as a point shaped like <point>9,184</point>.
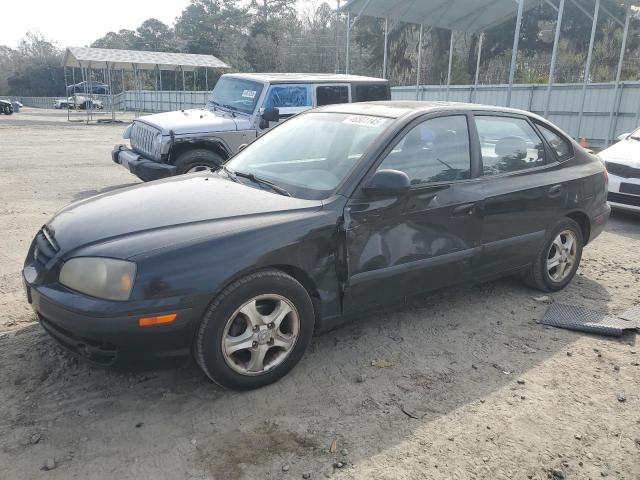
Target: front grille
<point>45,247</point>
<point>143,140</point>
<point>625,199</point>
<point>624,171</point>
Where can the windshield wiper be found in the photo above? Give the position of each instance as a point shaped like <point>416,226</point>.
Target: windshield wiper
<point>230,175</point>
<point>262,181</point>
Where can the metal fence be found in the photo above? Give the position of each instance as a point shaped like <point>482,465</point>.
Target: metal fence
<point>133,100</point>
<point>564,105</point>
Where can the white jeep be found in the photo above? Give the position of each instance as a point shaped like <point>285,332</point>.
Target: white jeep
<point>241,107</point>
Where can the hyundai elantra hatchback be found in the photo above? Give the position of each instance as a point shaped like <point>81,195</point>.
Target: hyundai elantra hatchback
<point>335,212</point>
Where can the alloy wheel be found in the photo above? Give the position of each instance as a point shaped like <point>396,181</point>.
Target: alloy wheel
<point>562,255</point>
<point>260,335</point>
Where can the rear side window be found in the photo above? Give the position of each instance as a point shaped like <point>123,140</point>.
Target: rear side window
<point>560,145</point>
<point>284,96</point>
<point>508,145</point>
<point>330,94</point>
<point>436,150</point>
<point>370,93</point>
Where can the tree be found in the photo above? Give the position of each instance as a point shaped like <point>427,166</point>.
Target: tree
<point>34,68</point>
<point>122,40</point>
<point>155,36</point>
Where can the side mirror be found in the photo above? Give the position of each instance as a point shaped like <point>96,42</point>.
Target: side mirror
<point>271,114</point>
<point>623,136</point>
<point>388,183</point>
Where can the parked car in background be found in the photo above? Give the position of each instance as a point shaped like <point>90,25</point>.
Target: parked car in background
<point>242,107</point>
<point>622,161</point>
<point>6,107</point>
<point>90,87</point>
<point>79,102</point>
<point>341,210</point>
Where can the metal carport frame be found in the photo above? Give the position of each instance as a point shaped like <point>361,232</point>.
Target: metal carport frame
<point>477,17</point>
<point>110,60</point>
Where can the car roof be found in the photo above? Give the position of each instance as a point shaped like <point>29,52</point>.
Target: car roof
<point>399,108</point>
<point>306,78</point>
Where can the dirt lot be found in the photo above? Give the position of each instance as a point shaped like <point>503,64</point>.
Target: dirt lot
<point>445,398</point>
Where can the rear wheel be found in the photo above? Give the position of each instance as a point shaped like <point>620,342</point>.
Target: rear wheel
<point>558,260</point>
<point>198,160</point>
<point>255,331</point>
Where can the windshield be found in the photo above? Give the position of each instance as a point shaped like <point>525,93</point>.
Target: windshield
<point>236,94</point>
<point>310,155</point>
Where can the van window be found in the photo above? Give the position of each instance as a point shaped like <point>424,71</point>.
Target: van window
<point>285,96</point>
<point>370,93</point>
<point>330,94</point>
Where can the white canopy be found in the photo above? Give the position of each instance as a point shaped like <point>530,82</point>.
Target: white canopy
<point>84,57</point>
<point>460,15</point>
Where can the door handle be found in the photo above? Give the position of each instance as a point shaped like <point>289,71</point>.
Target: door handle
<point>555,191</point>
<point>464,210</point>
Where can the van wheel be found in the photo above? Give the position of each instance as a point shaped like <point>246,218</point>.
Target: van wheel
<point>556,263</point>
<point>255,331</point>
<point>198,160</point>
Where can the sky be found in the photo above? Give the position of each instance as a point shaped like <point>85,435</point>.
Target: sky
<point>62,21</point>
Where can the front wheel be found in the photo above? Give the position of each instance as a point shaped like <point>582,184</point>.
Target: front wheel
<point>197,160</point>
<point>558,260</point>
<point>255,331</point>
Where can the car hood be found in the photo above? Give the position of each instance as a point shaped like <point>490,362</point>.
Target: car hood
<point>625,152</point>
<point>164,212</point>
<point>183,122</point>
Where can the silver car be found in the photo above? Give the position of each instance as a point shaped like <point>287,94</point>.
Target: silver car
<point>241,108</point>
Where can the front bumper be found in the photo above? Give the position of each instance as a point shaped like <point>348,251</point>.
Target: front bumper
<point>623,193</point>
<point>107,337</point>
<point>144,168</point>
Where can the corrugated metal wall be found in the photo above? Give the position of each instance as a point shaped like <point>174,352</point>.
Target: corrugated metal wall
<point>564,106</point>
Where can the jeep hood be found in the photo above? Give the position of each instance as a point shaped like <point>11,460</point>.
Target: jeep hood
<point>159,214</point>
<point>187,122</point>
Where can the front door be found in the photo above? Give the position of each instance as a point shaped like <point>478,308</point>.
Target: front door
<point>427,238</point>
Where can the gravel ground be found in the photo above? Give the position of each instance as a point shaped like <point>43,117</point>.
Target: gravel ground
<point>460,384</point>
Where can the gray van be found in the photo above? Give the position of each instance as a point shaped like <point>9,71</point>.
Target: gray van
<point>242,106</point>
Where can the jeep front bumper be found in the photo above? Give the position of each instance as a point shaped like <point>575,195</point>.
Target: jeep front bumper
<point>144,168</point>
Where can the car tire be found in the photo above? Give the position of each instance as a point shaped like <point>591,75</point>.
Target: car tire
<point>266,352</point>
<point>196,160</point>
<point>543,274</point>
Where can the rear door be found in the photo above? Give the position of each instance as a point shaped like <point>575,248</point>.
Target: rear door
<point>424,239</point>
<point>523,193</point>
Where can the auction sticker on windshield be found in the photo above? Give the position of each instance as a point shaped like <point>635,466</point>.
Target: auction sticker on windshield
<point>249,93</point>
<point>364,120</point>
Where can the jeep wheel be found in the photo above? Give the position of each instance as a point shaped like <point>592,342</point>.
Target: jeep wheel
<point>198,160</point>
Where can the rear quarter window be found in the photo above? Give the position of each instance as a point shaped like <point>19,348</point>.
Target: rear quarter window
<point>330,94</point>
<point>558,143</point>
<point>371,93</point>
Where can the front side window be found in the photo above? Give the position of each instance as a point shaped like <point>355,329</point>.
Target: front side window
<point>560,145</point>
<point>508,145</point>
<point>311,154</point>
<point>236,94</point>
<point>288,96</point>
<point>436,150</point>
<point>331,94</point>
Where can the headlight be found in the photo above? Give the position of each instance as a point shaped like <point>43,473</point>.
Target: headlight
<point>127,132</point>
<point>106,278</point>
